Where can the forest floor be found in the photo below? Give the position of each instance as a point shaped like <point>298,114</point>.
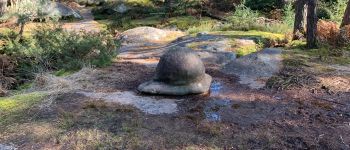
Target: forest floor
<point>101,108</point>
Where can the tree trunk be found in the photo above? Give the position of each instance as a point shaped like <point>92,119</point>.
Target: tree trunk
<point>3,4</point>
<point>20,34</point>
<point>311,24</point>
<point>299,22</point>
<point>346,18</point>
<point>169,7</point>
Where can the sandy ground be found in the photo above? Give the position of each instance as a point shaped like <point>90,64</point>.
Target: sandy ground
<point>87,24</point>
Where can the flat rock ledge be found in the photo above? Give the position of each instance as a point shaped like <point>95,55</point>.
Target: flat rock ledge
<point>161,88</point>
<point>255,69</point>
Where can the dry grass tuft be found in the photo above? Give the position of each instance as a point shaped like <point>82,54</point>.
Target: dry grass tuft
<point>212,128</point>
<point>293,75</point>
<point>89,139</point>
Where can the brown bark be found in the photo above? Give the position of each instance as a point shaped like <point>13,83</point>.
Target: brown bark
<point>311,24</point>
<point>20,34</point>
<point>299,22</point>
<point>346,18</point>
<point>169,7</point>
<point>3,4</point>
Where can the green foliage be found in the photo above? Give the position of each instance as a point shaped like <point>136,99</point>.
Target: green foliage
<point>243,18</point>
<point>246,19</point>
<point>25,10</point>
<point>245,50</point>
<point>13,109</point>
<point>263,5</point>
<point>337,9</point>
<point>289,15</point>
<point>180,7</point>
<point>204,26</point>
<point>324,13</point>
<point>55,49</point>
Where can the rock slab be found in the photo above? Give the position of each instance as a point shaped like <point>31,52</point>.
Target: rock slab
<point>254,69</point>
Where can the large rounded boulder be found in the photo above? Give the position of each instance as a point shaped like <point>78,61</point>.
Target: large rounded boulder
<point>55,9</point>
<point>179,72</point>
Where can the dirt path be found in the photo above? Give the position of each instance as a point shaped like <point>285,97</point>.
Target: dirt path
<point>86,24</point>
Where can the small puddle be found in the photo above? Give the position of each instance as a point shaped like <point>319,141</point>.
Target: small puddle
<point>216,88</point>
<point>146,104</point>
<point>7,147</point>
<point>213,107</point>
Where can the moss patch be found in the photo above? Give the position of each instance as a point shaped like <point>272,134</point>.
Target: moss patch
<point>245,50</point>
<point>251,34</point>
<point>14,108</point>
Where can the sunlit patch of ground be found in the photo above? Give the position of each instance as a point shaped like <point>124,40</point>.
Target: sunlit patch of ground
<point>13,109</point>
<point>250,34</point>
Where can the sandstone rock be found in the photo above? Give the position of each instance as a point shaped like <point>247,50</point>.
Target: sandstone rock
<point>179,72</point>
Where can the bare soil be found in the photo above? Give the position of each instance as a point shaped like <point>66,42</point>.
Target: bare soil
<point>248,118</point>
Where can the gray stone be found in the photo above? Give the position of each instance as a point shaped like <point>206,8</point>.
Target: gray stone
<point>156,87</point>
<point>7,147</point>
<point>121,8</point>
<point>254,69</point>
<point>220,58</point>
<point>55,9</point>
<point>143,34</point>
<point>179,72</point>
<point>148,105</point>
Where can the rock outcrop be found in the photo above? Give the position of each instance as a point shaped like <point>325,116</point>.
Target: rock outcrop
<point>254,69</point>
<point>55,9</point>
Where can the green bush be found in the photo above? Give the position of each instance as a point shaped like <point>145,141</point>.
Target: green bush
<point>324,13</point>
<point>289,15</point>
<point>263,5</point>
<point>54,49</point>
<point>243,18</point>
<point>332,9</point>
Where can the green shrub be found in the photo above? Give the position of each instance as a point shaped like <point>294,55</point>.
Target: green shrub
<point>204,26</point>
<point>243,18</point>
<point>263,5</point>
<point>337,8</point>
<point>246,19</point>
<point>324,13</point>
<point>54,49</point>
<point>289,15</point>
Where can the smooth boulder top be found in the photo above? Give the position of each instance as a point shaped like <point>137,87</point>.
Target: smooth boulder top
<point>180,66</point>
<point>255,68</point>
<point>179,72</point>
<point>61,10</point>
<point>149,35</point>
